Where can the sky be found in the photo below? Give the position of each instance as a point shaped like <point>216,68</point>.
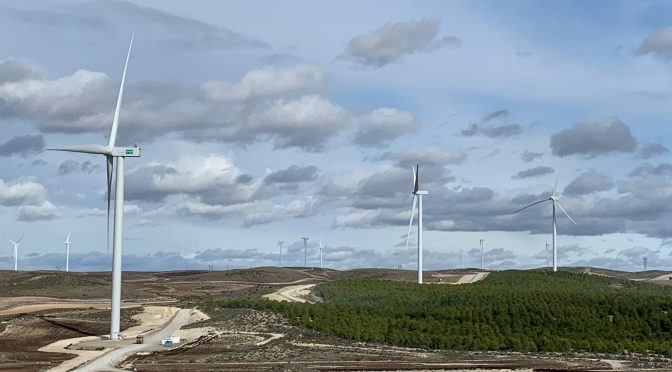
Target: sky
<point>265,122</point>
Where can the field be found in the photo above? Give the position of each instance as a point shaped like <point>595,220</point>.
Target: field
<point>583,321</point>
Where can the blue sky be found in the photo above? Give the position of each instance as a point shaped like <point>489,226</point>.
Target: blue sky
<point>263,122</point>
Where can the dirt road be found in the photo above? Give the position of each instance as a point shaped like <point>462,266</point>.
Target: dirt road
<point>293,293</point>
<point>152,341</point>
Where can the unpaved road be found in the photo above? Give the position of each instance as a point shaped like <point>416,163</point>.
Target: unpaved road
<point>22,309</point>
<point>293,293</point>
<point>472,278</point>
<point>107,361</point>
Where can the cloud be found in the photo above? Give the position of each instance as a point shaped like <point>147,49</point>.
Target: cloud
<point>495,114</point>
<point>293,174</point>
<point>43,211</point>
<point>24,191</point>
<point>267,82</point>
<point>14,70</point>
<point>423,155</point>
<point>503,131</point>
<point>659,43</point>
<point>529,156</point>
<point>159,27</point>
<point>647,169</point>
<point>588,183</point>
<point>307,122</point>
<point>383,125</point>
<point>393,41</point>
<point>66,167</point>
<point>532,172</point>
<point>651,150</point>
<point>594,138</point>
<point>22,145</point>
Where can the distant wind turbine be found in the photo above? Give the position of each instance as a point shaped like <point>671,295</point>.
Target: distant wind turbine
<point>67,253</point>
<point>280,248</point>
<point>305,252</point>
<point>553,198</point>
<point>111,153</point>
<point>320,254</point>
<point>417,198</point>
<point>16,252</point>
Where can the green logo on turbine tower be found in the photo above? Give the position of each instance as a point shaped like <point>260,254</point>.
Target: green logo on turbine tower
<point>129,151</point>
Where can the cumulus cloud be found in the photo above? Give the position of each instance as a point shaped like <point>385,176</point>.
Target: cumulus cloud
<point>66,167</point>
<point>394,41</point>
<point>495,114</point>
<point>532,172</point>
<point>651,150</point>
<point>659,43</point>
<point>268,82</point>
<point>293,174</point>
<point>15,69</point>
<point>24,191</point>
<point>648,169</point>
<point>383,125</point>
<point>22,145</point>
<point>307,122</point>
<point>502,131</point>
<point>594,138</point>
<point>43,211</point>
<point>529,156</point>
<point>588,183</point>
<point>424,155</point>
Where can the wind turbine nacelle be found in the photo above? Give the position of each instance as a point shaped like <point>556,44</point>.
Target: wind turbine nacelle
<point>126,152</point>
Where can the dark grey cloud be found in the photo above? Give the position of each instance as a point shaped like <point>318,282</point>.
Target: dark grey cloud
<point>14,69</point>
<point>528,156</point>
<point>502,131</point>
<point>588,183</point>
<point>383,125</point>
<point>594,138</point>
<point>39,162</point>
<point>293,174</point>
<point>89,167</point>
<point>532,172</point>
<point>659,43</point>
<point>393,41</point>
<point>67,166</point>
<point>651,150</point>
<point>648,169</point>
<point>495,114</point>
<point>23,145</point>
<point>115,16</point>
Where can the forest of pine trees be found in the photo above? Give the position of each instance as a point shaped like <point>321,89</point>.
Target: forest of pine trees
<point>510,310</point>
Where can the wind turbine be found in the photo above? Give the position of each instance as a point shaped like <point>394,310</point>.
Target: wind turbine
<point>417,197</point>
<point>320,254</point>
<point>67,253</point>
<point>280,247</point>
<point>554,201</point>
<point>111,153</point>
<point>16,252</point>
<point>305,252</point>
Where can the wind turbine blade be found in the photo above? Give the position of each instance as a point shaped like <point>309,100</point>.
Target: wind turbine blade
<point>527,206</point>
<point>555,188</point>
<point>21,238</point>
<point>87,149</point>
<point>67,240</point>
<point>115,121</point>
<point>410,222</point>
<point>565,212</point>
<point>13,242</point>
<point>110,166</point>
<point>416,179</point>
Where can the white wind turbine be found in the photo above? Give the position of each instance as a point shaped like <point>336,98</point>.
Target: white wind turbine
<point>16,252</point>
<point>320,254</point>
<point>111,153</point>
<point>554,201</point>
<point>417,197</point>
<point>67,253</point>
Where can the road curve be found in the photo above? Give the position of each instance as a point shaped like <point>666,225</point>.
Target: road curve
<point>107,361</point>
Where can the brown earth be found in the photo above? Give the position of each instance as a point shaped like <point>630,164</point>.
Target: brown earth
<point>228,349</point>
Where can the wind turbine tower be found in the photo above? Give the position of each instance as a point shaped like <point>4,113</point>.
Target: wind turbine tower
<point>417,197</point>
<point>482,241</point>
<point>553,198</point>
<point>112,153</point>
<point>645,260</point>
<point>461,258</point>
<point>320,254</point>
<point>305,252</point>
<point>280,248</point>
<point>67,253</point>
<point>16,252</point>
<point>546,254</point>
